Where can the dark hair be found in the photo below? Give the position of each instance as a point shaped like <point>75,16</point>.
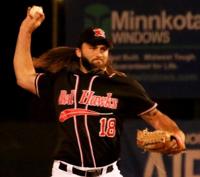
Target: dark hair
<point>58,58</point>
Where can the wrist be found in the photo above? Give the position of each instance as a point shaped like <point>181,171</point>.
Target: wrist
<point>25,28</point>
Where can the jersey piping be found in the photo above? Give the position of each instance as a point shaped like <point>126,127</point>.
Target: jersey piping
<point>153,107</point>
<point>36,84</point>
<point>75,121</point>
<point>86,124</point>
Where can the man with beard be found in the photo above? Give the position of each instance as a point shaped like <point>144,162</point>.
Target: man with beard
<point>91,101</point>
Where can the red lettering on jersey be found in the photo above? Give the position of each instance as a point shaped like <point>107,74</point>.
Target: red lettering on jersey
<point>86,96</point>
<point>89,98</point>
<point>65,98</point>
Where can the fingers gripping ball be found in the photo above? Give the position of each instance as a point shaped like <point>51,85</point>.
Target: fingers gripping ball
<point>153,141</point>
<point>34,10</point>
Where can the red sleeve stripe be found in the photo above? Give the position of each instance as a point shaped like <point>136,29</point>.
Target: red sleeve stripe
<point>153,107</point>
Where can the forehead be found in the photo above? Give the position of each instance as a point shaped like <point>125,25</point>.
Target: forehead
<point>85,44</point>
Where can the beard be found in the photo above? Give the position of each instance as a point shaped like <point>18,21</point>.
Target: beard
<point>93,66</point>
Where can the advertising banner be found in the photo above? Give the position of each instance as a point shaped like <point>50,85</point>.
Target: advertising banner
<point>156,42</point>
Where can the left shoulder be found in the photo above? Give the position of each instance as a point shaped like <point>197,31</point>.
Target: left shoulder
<point>126,79</point>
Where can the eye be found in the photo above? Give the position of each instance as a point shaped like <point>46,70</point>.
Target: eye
<point>92,47</point>
<point>104,48</point>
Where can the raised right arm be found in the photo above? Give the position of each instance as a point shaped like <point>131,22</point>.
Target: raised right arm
<point>23,66</point>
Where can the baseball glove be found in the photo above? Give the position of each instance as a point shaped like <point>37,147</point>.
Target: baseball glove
<point>154,141</point>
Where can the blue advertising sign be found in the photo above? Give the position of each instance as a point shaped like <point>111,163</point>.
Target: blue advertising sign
<point>155,42</point>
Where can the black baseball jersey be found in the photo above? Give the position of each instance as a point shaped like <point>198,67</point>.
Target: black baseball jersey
<point>90,109</point>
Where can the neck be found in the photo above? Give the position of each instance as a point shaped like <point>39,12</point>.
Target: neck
<point>83,69</point>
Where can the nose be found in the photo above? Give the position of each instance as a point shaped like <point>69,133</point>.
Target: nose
<point>98,52</point>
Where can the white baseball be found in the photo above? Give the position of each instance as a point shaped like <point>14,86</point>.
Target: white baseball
<point>35,9</point>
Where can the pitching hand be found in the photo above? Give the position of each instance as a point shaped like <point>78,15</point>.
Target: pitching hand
<point>34,18</point>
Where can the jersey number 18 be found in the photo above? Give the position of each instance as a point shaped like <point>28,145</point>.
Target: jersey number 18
<point>107,127</point>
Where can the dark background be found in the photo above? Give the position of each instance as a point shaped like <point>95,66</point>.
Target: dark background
<point>14,100</point>
<point>26,131</point>
<point>27,135</point>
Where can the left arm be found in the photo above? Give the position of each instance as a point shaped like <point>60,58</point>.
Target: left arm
<point>160,121</point>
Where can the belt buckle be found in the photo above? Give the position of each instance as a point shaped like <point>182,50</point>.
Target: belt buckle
<point>93,173</point>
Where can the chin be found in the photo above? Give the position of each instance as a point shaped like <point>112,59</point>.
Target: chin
<point>100,66</point>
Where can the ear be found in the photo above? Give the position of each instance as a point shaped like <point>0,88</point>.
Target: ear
<point>78,52</point>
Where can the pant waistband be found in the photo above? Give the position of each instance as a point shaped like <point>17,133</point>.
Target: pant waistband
<point>86,173</point>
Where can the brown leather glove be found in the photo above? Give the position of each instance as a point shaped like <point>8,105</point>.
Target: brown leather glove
<point>156,141</point>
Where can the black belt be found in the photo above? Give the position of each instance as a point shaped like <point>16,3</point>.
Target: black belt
<point>86,173</point>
